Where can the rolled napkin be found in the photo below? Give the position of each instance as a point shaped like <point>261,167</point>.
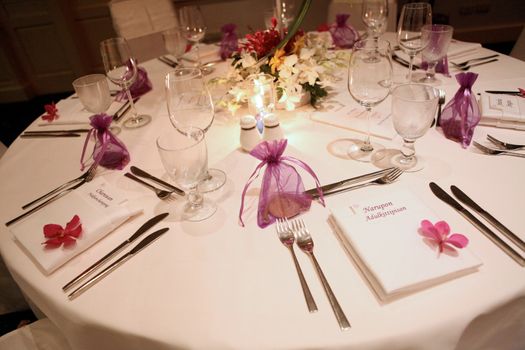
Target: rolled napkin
<point>100,207</point>
<point>140,86</point>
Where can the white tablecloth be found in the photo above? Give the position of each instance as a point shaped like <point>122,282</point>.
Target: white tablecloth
<point>215,284</point>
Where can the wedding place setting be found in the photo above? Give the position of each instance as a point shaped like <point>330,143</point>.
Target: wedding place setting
<point>265,190</point>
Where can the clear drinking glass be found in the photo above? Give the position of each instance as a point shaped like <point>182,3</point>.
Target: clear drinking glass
<point>438,37</point>
<point>412,19</point>
<point>121,69</point>
<point>375,17</point>
<point>93,92</point>
<point>185,158</point>
<point>194,28</point>
<point>413,109</point>
<point>175,42</point>
<point>369,81</point>
<point>190,105</point>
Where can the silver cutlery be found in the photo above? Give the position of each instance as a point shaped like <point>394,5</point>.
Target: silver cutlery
<point>286,237</point>
<point>386,179</point>
<point>48,135</point>
<point>363,177</point>
<point>520,92</point>
<point>502,228</point>
<point>168,61</point>
<point>139,172</point>
<point>491,151</point>
<point>305,242</point>
<point>441,101</point>
<point>142,229</point>
<point>504,145</point>
<point>140,246</point>
<point>161,194</point>
<point>445,197</point>
<point>465,68</point>
<point>467,62</point>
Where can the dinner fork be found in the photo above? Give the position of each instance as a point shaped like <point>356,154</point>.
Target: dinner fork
<point>467,62</point>
<point>305,242</point>
<point>504,145</point>
<point>496,152</point>
<point>286,237</point>
<point>161,194</point>
<point>388,178</point>
<point>464,68</point>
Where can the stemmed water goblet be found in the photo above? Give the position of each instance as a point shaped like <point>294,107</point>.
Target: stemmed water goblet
<point>184,156</point>
<point>190,105</point>
<point>413,109</point>
<point>175,43</point>
<point>375,16</point>
<point>93,92</point>
<point>121,69</point>
<point>438,37</point>
<point>409,37</point>
<point>369,81</point>
<point>194,28</point>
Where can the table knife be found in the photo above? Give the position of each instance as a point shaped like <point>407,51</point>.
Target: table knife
<point>141,245</point>
<point>502,228</point>
<point>325,188</point>
<point>445,197</point>
<point>142,173</point>
<point>48,135</point>
<point>146,226</point>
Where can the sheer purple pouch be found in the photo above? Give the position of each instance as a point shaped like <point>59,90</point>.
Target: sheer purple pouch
<point>229,43</point>
<point>140,86</point>
<point>343,35</point>
<point>108,150</point>
<point>282,190</point>
<point>461,114</point>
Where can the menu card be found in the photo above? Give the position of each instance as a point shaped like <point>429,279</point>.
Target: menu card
<point>101,208</point>
<point>381,234</point>
<point>502,111</point>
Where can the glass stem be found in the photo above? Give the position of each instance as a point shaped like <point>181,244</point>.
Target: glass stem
<point>408,150</point>
<point>195,199</point>
<point>410,65</point>
<point>431,70</point>
<point>197,49</point>
<point>132,104</point>
<point>367,146</point>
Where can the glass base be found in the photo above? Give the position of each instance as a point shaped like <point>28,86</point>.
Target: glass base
<point>137,122</point>
<point>206,69</point>
<point>408,164</point>
<point>425,79</point>
<point>356,152</point>
<point>204,211</point>
<point>215,180</point>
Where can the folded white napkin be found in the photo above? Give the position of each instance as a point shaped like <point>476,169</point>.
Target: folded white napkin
<point>101,208</point>
<point>207,53</point>
<point>381,234</point>
<point>456,50</point>
<point>503,111</point>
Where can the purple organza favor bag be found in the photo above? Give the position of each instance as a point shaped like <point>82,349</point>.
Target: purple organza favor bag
<point>343,35</point>
<point>108,151</point>
<point>229,43</point>
<point>140,86</point>
<point>461,114</point>
<point>282,190</point>
<point>441,66</point>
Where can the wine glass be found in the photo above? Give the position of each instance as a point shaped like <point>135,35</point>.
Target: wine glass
<point>174,42</point>
<point>438,37</point>
<point>190,105</point>
<point>413,110</point>
<point>121,69</point>
<point>194,28</point>
<point>412,19</point>
<point>369,81</point>
<point>93,92</point>
<point>184,156</point>
<point>375,17</point>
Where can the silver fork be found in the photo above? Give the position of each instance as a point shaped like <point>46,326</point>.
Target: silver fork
<point>464,68</point>
<point>388,178</point>
<point>287,239</point>
<point>305,242</point>
<point>491,151</point>
<point>467,62</point>
<point>161,194</point>
<point>504,145</point>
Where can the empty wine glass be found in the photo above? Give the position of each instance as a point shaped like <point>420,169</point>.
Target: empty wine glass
<point>194,28</point>
<point>375,17</point>
<point>413,109</point>
<point>174,42</point>
<point>190,105</point>
<point>121,69</point>
<point>184,156</point>
<point>438,37</point>
<point>93,92</point>
<point>369,81</point>
<point>412,19</point>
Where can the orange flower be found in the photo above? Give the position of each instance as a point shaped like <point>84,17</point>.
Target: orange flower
<point>277,60</point>
<point>298,44</point>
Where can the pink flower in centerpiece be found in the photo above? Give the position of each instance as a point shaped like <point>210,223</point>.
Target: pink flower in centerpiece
<point>57,235</point>
<point>51,112</point>
<point>439,234</point>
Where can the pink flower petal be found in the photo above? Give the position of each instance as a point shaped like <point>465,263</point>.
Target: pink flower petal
<point>443,228</point>
<point>430,231</point>
<point>457,240</point>
<point>52,230</point>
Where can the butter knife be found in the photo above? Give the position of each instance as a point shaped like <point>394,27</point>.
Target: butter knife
<point>146,226</point>
<point>445,197</point>
<point>142,173</point>
<point>502,228</point>
<point>141,245</point>
<point>325,188</point>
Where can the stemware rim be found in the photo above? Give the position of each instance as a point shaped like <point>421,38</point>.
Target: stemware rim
<point>416,5</point>
<point>81,81</point>
<point>398,87</point>
<point>437,28</point>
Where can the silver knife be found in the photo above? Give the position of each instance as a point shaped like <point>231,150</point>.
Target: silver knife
<point>325,188</point>
<point>502,228</point>
<point>445,197</point>
<point>146,226</point>
<point>141,245</point>
<point>142,173</point>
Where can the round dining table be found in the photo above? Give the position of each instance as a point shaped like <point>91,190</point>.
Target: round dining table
<point>217,284</point>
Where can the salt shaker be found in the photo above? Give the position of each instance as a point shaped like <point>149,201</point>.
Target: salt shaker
<point>249,134</point>
<point>272,128</point>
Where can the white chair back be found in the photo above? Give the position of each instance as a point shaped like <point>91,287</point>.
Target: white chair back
<point>518,51</point>
<point>39,335</point>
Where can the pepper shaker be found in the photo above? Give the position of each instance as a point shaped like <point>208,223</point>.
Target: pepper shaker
<point>272,128</point>
<point>249,134</point>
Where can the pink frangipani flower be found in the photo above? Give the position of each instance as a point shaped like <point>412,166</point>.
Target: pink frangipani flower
<point>57,235</point>
<point>439,234</point>
<point>51,112</point>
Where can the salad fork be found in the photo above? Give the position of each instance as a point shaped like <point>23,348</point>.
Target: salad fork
<point>305,242</point>
<point>504,145</point>
<point>496,152</point>
<point>286,237</point>
<point>464,68</point>
<point>467,62</point>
